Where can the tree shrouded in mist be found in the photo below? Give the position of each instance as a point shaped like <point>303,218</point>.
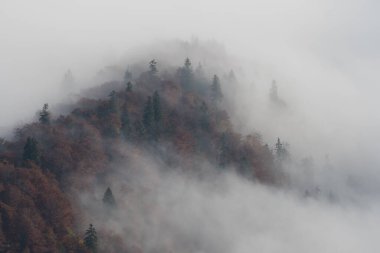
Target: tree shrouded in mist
<point>148,116</point>
<point>127,76</point>
<point>108,198</point>
<point>125,122</point>
<point>68,81</point>
<point>129,86</point>
<point>153,67</point>
<point>216,90</point>
<point>44,115</point>
<point>31,152</point>
<point>114,103</point>
<point>186,74</point>
<point>91,239</point>
<point>156,113</point>
<point>281,151</point>
<point>273,95</point>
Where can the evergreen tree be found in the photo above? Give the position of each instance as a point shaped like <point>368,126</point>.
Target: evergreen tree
<point>204,119</point>
<point>274,92</point>
<point>281,151</point>
<point>153,67</point>
<point>125,123</point>
<point>186,74</point>
<point>156,114</point>
<point>148,116</point>
<point>216,90</point>
<point>44,115</point>
<point>91,239</point>
<point>187,64</point>
<point>108,198</point>
<point>68,82</point>
<point>129,87</point>
<point>156,107</point>
<point>199,72</point>
<point>127,76</point>
<point>31,152</point>
<point>273,95</point>
<point>223,150</point>
<point>231,76</point>
<point>113,102</point>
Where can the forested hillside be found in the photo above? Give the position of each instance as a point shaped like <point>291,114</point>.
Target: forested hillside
<point>175,116</point>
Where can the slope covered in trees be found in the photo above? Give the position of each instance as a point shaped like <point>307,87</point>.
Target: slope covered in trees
<point>52,159</point>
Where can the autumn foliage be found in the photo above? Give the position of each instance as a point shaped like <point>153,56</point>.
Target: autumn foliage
<point>36,199</point>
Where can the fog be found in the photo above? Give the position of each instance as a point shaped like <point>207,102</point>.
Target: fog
<point>165,210</point>
<point>324,56</point>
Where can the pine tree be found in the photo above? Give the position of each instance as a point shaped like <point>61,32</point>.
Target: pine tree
<point>156,114</point>
<point>125,123</point>
<point>156,107</point>
<point>153,67</point>
<point>91,239</point>
<point>231,76</point>
<point>216,90</point>
<point>127,76</point>
<point>281,151</point>
<point>223,150</point>
<point>45,115</point>
<point>129,87</point>
<point>148,116</point>
<point>199,72</point>
<point>108,198</point>
<point>204,118</point>
<point>186,74</point>
<point>273,92</point>
<point>31,152</point>
<point>113,102</point>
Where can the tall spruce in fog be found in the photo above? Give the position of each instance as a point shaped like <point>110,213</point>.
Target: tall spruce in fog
<point>153,67</point>
<point>199,72</point>
<point>91,239</point>
<point>186,74</point>
<point>281,151</point>
<point>223,150</point>
<point>156,114</point>
<point>114,108</point>
<point>108,198</point>
<point>216,90</point>
<point>125,122</point>
<point>129,86</point>
<point>68,82</point>
<point>148,116</point>
<point>273,93</point>
<point>31,152</point>
<point>204,119</point>
<point>156,107</point>
<point>127,76</point>
<point>45,115</point>
<point>231,77</point>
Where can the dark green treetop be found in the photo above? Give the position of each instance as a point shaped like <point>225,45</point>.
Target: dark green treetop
<point>31,152</point>
<point>45,115</point>
<point>108,198</point>
<point>91,239</point>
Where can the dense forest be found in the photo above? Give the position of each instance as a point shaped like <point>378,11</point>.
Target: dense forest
<point>176,116</point>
